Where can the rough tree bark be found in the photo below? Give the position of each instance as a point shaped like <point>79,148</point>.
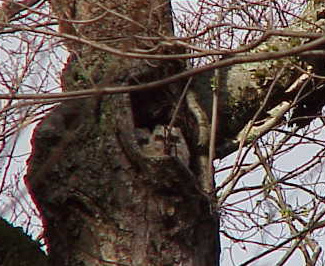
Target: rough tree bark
<point>108,193</point>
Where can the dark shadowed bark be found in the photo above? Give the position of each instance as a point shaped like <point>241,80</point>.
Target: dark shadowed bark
<point>18,249</point>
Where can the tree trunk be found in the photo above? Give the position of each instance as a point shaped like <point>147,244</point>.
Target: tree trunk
<point>108,191</point>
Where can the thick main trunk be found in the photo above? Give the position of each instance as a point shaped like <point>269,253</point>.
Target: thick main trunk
<point>104,196</point>
<point>102,203</point>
